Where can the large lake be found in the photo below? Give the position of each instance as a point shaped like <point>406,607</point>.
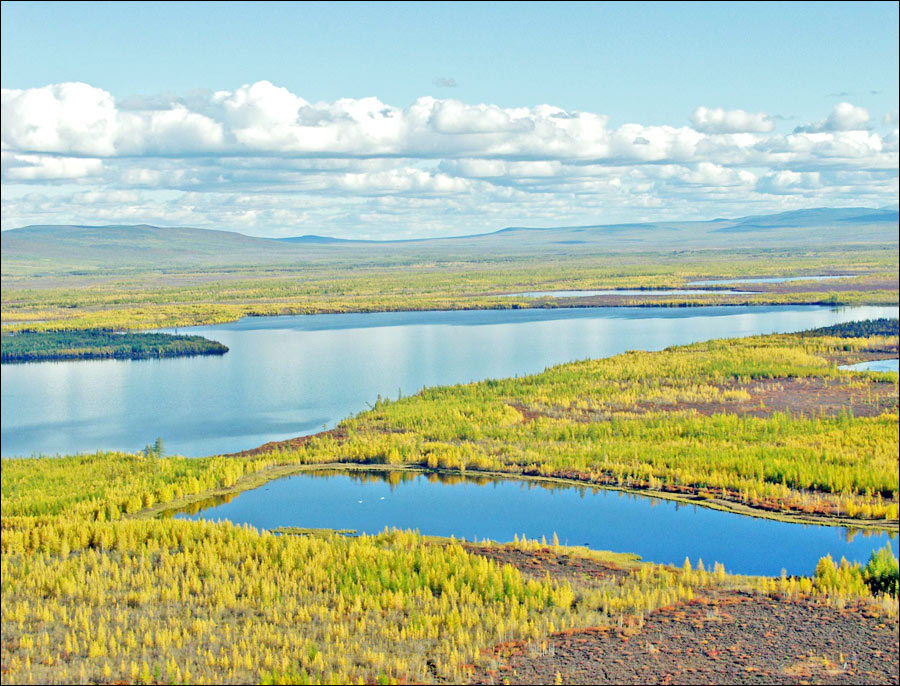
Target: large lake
<point>657,530</point>
<point>287,376</point>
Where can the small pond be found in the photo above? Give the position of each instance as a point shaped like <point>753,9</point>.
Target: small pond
<point>478,508</point>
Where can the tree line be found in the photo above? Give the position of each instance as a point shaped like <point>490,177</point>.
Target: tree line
<point>32,346</point>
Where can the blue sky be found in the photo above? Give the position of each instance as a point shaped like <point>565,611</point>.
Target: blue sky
<point>428,118</point>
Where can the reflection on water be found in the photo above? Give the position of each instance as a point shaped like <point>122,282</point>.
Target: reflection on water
<point>480,507</point>
<point>395,477</point>
<point>850,534</point>
<point>287,376</point>
<point>200,505</point>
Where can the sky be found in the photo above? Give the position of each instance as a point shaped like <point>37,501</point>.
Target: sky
<point>398,120</point>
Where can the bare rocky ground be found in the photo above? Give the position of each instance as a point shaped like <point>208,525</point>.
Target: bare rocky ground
<point>723,637</point>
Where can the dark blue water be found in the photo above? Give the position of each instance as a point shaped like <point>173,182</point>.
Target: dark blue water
<point>657,530</point>
<point>288,376</point>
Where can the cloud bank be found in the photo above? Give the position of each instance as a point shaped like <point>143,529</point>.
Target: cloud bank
<point>263,160</point>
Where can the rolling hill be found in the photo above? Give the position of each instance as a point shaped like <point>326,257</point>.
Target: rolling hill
<point>70,249</point>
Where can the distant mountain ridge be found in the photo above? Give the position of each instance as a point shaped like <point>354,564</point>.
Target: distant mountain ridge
<point>70,248</point>
<point>818,216</point>
<point>791,219</point>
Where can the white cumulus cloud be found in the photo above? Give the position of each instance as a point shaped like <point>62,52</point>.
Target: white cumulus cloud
<point>844,117</point>
<point>785,182</point>
<point>61,118</point>
<point>23,167</point>
<point>718,120</point>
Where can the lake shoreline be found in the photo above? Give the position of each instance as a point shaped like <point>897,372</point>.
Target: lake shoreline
<point>769,295</point>
<point>173,398</point>
<point>294,456</point>
<point>264,476</point>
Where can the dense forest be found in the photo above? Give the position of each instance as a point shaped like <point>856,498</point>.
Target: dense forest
<point>30,346</point>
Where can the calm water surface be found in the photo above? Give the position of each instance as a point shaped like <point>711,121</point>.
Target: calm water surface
<point>619,291</point>
<point>287,376</point>
<point>498,509</point>
<point>771,279</point>
<point>874,366</point>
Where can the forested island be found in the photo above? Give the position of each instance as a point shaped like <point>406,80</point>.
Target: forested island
<point>31,346</point>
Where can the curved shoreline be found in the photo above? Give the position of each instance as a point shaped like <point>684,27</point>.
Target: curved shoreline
<point>260,478</point>
<point>818,297</point>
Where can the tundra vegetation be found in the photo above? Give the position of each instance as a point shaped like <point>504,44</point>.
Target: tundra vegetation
<point>101,279</point>
<point>97,589</point>
<point>448,275</point>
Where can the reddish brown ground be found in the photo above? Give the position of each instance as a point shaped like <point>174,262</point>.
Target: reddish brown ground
<point>338,434</point>
<point>731,637</point>
<point>804,396</point>
<point>809,396</point>
<point>835,286</point>
<point>539,563</point>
